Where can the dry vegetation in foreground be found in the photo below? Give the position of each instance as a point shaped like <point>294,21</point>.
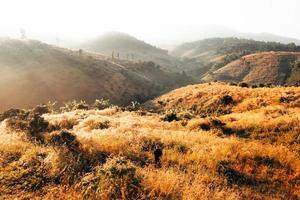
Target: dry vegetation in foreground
<point>250,150</point>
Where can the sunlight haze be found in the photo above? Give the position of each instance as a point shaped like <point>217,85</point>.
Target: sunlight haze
<point>153,21</point>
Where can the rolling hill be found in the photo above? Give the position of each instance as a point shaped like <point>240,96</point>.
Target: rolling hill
<point>33,72</point>
<point>213,53</point>
<point>245,147</point>
<point>124,46</point>
<point>268,67</point>
<point>213,48</point>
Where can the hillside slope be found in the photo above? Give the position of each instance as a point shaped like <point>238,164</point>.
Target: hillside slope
<point>207,97</point>
<point>211,54</point>
<point>265,114</point>
<point>33,72</point>
<point>268,67</point>
<point>123,46</point>
<point>251,151</point>
<point>211,48</point>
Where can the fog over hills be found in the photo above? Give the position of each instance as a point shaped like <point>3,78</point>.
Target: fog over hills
<point>167,41</point>
<point>150,100</point>
<point>33,72</point>
<point>211,31</point>
<point>124,46</point>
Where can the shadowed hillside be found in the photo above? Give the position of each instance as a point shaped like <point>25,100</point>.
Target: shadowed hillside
<point>269,67</point>
<point>33,72</point>
<point>218,142</point>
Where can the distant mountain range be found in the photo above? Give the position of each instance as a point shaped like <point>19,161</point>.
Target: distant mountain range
<point>213,31</point>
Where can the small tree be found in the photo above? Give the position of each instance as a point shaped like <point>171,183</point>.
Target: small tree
<point>57,41</point>
<point>23,33</point>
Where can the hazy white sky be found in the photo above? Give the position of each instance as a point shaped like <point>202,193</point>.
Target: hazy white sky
<point>151,20</point>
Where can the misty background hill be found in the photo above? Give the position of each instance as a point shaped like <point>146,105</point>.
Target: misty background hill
<point>33,72</point>
<point>124,46</point>
<point>213,31</point>
<point>122,68</point>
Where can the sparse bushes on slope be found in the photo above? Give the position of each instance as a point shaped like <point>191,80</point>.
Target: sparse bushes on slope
<point>73,105</point>
<point>101,104</point>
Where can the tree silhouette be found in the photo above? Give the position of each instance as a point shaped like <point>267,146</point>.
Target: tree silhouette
<point>23,33</point>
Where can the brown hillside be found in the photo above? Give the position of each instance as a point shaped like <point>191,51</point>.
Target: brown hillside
<point>256,113</point>
<point>207,98</point>
<point>251,151</point>
<point>266,67</point>
<point>33,72</point>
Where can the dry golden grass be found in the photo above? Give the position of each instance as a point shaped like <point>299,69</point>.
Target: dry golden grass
<point>263,67</point>
<point>116,162</point>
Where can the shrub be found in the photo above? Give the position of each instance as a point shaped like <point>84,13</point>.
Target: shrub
<point>287,99</point>
<point>12,113</point>
<point>73,160</point>
<point>92,124</point>
<point>149,144</point>
<point>133,107</point>
<point>37,127</point>
<point>242,84</point>
<point>64,124</point>
<point>101,104</point>
<point>117,179</point>
<point>74,105</point>
<point>63,138</point>
<point>181,148</point>
<point>34,126</point>
<point>41,109</point>
<point>171,115</point>
<point>226,100</point>
<point>217,123</point>
<point>204,126</point>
